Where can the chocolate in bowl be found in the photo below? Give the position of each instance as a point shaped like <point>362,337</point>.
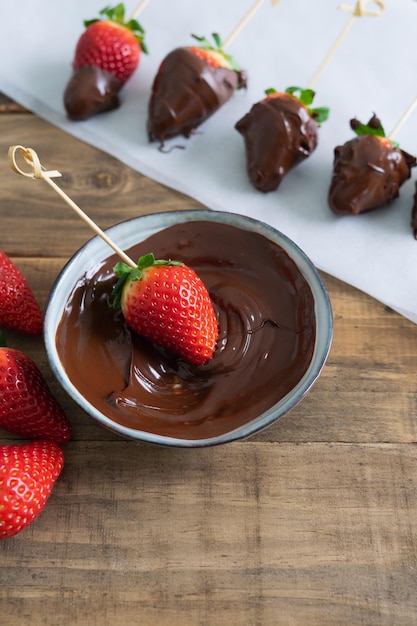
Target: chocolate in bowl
<point>275,330</point>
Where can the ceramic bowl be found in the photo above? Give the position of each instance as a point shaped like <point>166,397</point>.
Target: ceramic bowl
<point>125,235</point>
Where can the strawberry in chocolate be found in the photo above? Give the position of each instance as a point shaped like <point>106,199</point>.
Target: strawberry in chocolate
<point>279,132</point>
<point>368,170</point>
<point>191,84</point>
<point>28,473</point>
<point>107,54</point>
<point>19,309</point>
<point>168,304</point>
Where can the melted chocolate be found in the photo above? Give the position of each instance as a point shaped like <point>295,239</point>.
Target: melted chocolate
<point>266,318</point>
<point>185,92</point>
<point>367,174</point>
<point>90,91</point>
<point>279,133</point>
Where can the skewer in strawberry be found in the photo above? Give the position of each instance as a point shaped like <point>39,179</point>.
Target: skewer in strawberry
<point>191,84</point>
<point>279,132</point>
<point>163,300</point>
<point>368,170</point>
<point>106,56</point>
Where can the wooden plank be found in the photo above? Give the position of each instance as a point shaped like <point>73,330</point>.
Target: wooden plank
<point>268,534</point>
<point>105,189</point>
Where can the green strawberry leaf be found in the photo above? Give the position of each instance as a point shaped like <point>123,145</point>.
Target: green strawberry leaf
<point>117,15</point>
<point>306,97</point>
<point>218,47</point>
<point>373,127</point>
<point>125,272</point>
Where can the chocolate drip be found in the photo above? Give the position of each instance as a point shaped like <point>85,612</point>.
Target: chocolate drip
<point>367,173</point>
<point>279,133</point>
<point>91,90</point>
<point>266,317</point>
<point>185,92</point>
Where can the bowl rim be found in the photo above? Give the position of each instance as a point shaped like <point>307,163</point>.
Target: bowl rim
<point>150,224</point>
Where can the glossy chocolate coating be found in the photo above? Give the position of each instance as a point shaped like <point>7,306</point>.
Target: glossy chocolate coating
<point>279,133</point>
<point>266,316</point>
<point>185,92</point>
<point>414,214</point>
<point>90,91</point>
<point>367,174</point>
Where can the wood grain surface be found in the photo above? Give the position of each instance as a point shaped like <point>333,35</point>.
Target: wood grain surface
<point>311,522</point>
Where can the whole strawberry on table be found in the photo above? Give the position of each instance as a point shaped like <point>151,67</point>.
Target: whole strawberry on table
<point>107,54</point>
<point>28,473</point>
<point>191,84</point>
<point>279,132</point>
<point>368,170</point>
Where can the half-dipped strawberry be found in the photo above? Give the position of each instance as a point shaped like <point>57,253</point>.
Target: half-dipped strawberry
<point>167,303</point>
<point>27,475</point>
<point>191,84</point>
<point>19,310</point>
<point>279,132</point>
<point>27,406</point>
<point>368,170</point>
<point>107,54</point>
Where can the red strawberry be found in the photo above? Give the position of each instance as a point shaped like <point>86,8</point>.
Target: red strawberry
<point>106,55</point>
<point>166,302</point>
<point>27,406</point>
<point>27,474</point>
<point>213,55</point>
<point>192,83</point>
<point>19,309</point>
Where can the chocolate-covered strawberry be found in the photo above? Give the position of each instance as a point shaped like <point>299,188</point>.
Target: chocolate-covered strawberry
<point>106,56</point>
<point>279,132</point>
<point>414,214</point>
<point>191,84</point>
<point>368,170</point>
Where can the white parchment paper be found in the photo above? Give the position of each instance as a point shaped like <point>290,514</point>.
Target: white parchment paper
<point>373,70</point>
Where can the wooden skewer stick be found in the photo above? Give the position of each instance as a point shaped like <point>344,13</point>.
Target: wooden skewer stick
<point>38,172</point>
<point>403,118</point>
<point>139,9</point>
<point>243,22</point>
<point>358,10</point>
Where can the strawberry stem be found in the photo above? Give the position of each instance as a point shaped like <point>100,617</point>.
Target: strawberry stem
<point>306,97</point>
<point>373,127</point>
<point>125,272</point>
<point>117,16</point>
<point>218,47</point>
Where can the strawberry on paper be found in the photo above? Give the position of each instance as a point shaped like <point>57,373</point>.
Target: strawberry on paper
<point>279,132</point>
<point>27,406</point>
<point>106,56</point>
<point>191,84</point>
<point>368,170</point>
<point>27,475</point>
<point>19,309</point>
<point>168,304</point>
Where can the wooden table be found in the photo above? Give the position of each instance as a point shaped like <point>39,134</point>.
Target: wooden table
<point>311,522</point>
